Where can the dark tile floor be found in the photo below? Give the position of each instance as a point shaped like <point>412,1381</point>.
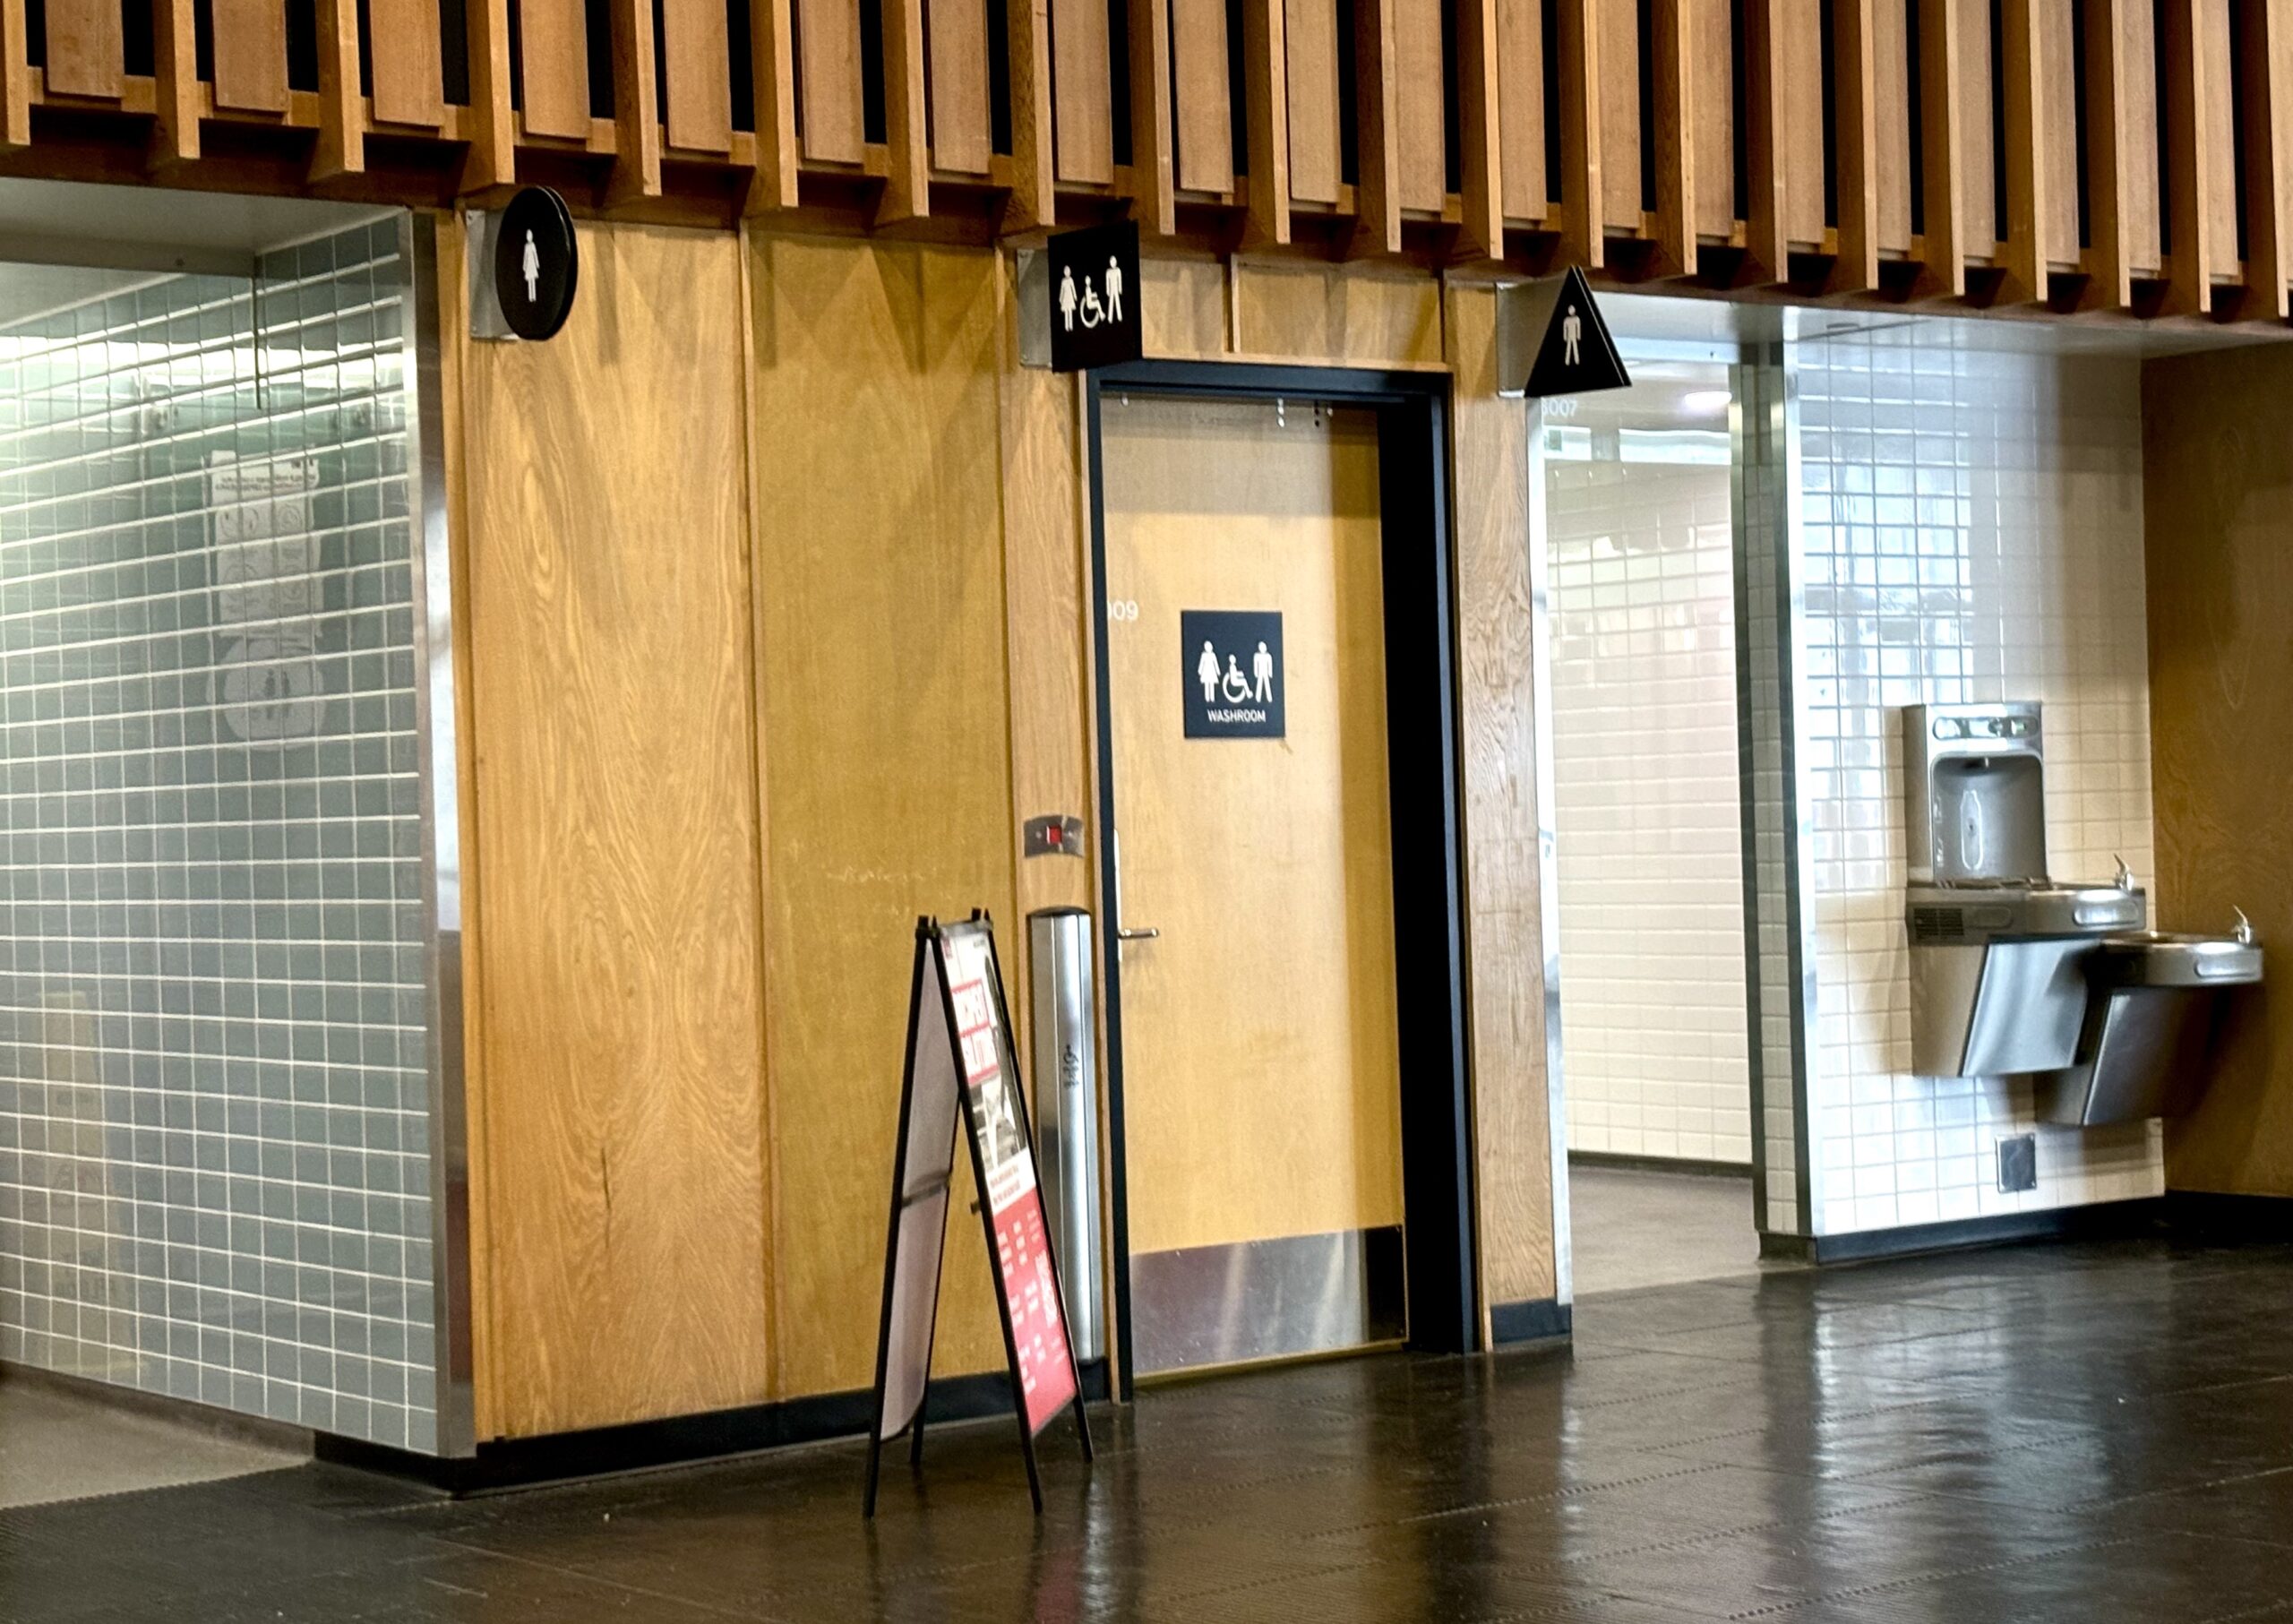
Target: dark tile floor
<point>2084,1433</point>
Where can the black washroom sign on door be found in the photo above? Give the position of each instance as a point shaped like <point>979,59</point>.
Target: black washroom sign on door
<point>1230,667</point>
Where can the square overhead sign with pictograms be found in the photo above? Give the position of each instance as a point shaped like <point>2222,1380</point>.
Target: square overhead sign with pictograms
<point>1231,669</point>
<point>1094,298</point>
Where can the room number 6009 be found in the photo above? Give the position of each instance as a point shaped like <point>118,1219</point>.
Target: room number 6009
<point>1122,608</point>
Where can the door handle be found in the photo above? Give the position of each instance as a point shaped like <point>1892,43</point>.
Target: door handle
<point>1145,933</point>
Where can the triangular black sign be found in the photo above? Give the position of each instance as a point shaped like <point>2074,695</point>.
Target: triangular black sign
<point>1551,339</point>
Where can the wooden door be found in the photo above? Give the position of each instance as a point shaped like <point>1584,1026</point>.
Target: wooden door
<point>1260,1073</point>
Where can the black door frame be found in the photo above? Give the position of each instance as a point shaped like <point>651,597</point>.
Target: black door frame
<point>1423,755</point>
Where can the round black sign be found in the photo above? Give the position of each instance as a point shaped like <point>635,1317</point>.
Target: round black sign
<point>536,262</point>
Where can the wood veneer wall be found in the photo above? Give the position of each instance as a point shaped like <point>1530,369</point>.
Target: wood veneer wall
<point>614,1067</point>
<point>2217,494</point>
<point>885,705</point>
<point>779,627</point>
<point>1496,671</point>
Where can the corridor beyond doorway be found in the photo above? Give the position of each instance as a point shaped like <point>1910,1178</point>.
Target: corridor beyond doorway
<point>60,1444</point>
<point>1632,1227</point>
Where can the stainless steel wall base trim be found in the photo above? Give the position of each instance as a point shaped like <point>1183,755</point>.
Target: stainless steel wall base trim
<point>1293,1296</point>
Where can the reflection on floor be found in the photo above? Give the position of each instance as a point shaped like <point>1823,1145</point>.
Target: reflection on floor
<point>2100,1433</point>
<point>1632,1229</point>
<point>63,1446</point>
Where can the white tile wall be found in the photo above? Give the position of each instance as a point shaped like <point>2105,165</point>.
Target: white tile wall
<point>1647,808</point>
<point>1973,530</point>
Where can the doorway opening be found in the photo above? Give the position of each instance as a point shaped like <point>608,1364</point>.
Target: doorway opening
<point>1286,1064</point>
<point>1639,552</point>
<point>222,1226</point>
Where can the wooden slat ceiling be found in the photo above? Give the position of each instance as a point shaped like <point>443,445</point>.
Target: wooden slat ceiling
<point>2107,158</point>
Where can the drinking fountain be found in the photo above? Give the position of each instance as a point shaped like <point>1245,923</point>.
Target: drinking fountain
<point>2012,973</point>
<point>1997,950</point>
<point>2155,999</point>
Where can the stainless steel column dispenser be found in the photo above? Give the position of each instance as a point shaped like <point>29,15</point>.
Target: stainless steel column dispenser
<point>1997,950</point>
<point>1064,1053</point>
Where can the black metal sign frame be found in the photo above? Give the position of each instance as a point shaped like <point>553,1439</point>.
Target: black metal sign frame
<point>930,963</point>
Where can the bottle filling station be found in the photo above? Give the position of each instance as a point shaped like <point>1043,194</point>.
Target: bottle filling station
<point>2015,973</point>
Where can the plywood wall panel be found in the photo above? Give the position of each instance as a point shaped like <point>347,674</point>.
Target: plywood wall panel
<point>957,57</point>
<point>635,66</point>
<point>174,79</point>
<point>1712,127</point>
<point>2057,125</point>
<point>2195,250</point>
<point>1300,311</point>
<point>827,79</point>
<point>249,54</point>
<point>2145,254</point>
<point>1082,97</point>
<point>907,134</point>
<point>1497,719</point>
<point>1890,123</point>
<point>615,863</point>
<point>1376,80</point>
<point>2103,35</point>
<point>2265,52</point>
<point>1204,118</point>
<point>1048,622</point>
<point>1182,308</point>
<point>1800,149</point>
<point>1481,165</point>
<point>1033,169</point>
<point>2220,131</point>
<point>1942,140</point>
<point>885,711</point>
<point>1266,109</point>
<point>553,55</point>
<point>492,125</point>
<point>1422,147</point>
<point>1621,194</point>
<point>1854,206</point>
<point>697,75</point>
<point>1977,85</point>
<point>404,54</point>
<point>2218,495</point>
<point>1310,35</point>
<point>1521,46</point>
<point>85,54</point>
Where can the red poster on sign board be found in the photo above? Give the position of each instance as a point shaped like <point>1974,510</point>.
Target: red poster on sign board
<point>1038,1326</point>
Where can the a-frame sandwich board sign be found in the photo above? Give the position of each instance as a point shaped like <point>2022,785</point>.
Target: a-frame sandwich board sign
<point>961,1078</point>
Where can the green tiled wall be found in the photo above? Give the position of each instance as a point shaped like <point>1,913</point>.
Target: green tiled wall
<point>214,1020</point>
